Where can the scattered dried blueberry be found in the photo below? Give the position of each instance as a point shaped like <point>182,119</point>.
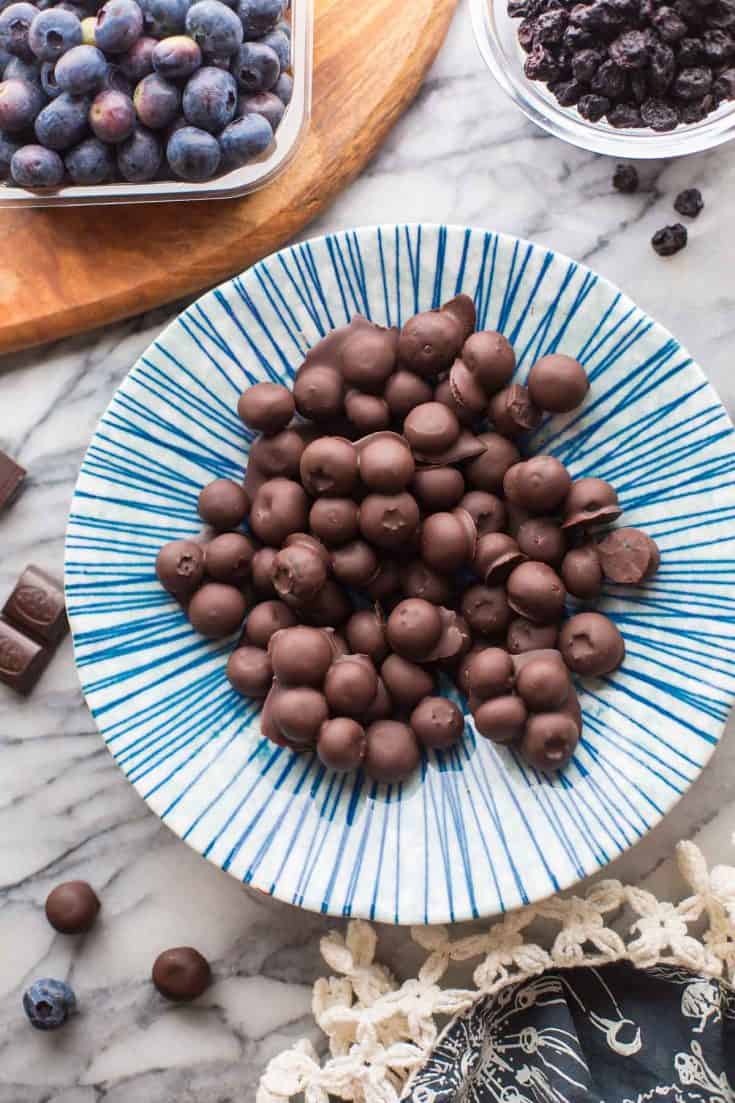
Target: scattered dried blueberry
<point>670,240</point>
<point>689,202</point>
<point>630,50</point>
<point>609,80</point>
<point>693,83</point>
<point>567,92</point>
<point>625,116</point>
<point>626,179</point>
<point>48,1004</point>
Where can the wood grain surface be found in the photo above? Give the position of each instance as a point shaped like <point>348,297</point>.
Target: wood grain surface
<point>68,269</point>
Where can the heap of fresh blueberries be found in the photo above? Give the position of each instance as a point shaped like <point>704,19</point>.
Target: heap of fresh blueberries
<point>139,90</point>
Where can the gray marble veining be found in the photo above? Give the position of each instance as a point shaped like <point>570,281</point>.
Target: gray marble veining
<point>461,154</point>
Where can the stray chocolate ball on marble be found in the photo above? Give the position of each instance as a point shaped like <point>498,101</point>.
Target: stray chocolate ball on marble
<point>389,521</point>
<point>490,358</point>
<point>403,391</point>
<point>180,567</point>
<point>490,673</point>
<point>318,392</point>
<point>279,508</point>
<point>72,907</point>
<point>181,974</point>
<point>446,544</point>
<point>355,564</point>
<point>558,383</point>
<point>536,591</point>
<point>497,554</point>
<point>265,619</point>
<point>341,744</point>
<point>301,656</point>
<point>590,501</point>
<point>549,741</point>
<point>431,428</point>
<point>524,635</point>
<point>512,411</point>
<point>216,610</point>
<point>437,722</point>
<point>438,488</point>
<point>385,462</point>
<point>542,539</point>
<point>539,485</point>
<point>486,610</point>
<point>277,456</point>
<point>628,556</point>
<point>430,343</point>
<point>418,580</point>
<point>329,467</point>
<point>392,751</point>
<point>581,572</point>
<point>591,644</point>
<point>487,471</point>
<point>250,672</point>
<point>501,719</point>
<point>299,573</point>
<point>365,632</point>
<point>266,407</point>
<point>261,570</point>
<point>544,683</point>
<point>414,628</point>
<point>486,510</point>
<point>228,558</point>
<point>223,504</point>
<point>299,713</point>
<point>350,685</point>
<point>406,682</point>
<point>334,520</point>
<point>367,412</point>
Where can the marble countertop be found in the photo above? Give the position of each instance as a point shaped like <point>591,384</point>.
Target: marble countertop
<point>461,154</point>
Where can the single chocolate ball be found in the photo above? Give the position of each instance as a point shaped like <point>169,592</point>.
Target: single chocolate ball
<point>299,713</point>
<point>367,412</point>
<point>381,707</point>
<point>306,540</point>
<point>444,394</point>
<point>430,343</point>
<point>486,510</point>
<point>261,570</point>
<point>392,752</point>
<point>406,682</point>
<point>181,974</point>
<point>590,501</point>
<point>418,580</point>
<point>266,407</point>
<point>487,471</point>
<point>438,488</point>
<point>278,456</point>
<point>444,542</point>
<point>558,383</point>
<point>542,539</point>
<point>540,484</point>
<point>318,392</point>
<point>512,411</point>
<point>437,722</point>
<point>368,358</point>
<point>544,683</point>
<point>536,591</point>
<point>334,520</point>
<point>301,656</point>
<point>550,741</point>
<point>414,628</point>
<point>223,504</point>
<point>591,644</point>
<point>267,618</point>
<point>403,391</point>
<point>216,610</point>
<point>431,428</point>
<point>466,391</point>
<point>279,508</point>
<point>355,564</point>
<point>228,558</point>
<point>524,635</point>
<point>628,556</point>
<point>496,555</point>
<point>180,567</point>
<point>329,609</point>
<point>250,672</point>
<point>365,633</point>
<point>299,573</point>
<point>72,907</point>
<point>329,467</point>
<point>582,573</point>
<point>501,719</point>
<point>341,744</point>
<point>486,610</point>
<point>490,673</point>
<point>389,520</point>
<point>386,464</point>
<point>350,685</point>
<point>386,583</point>
<point>490,358</point>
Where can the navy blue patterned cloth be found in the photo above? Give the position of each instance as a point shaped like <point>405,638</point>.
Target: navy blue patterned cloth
<point>609,1035</point>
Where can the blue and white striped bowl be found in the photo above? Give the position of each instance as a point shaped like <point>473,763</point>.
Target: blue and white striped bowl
<point>476,831</point>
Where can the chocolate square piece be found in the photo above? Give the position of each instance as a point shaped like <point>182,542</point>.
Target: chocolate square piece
<point>36,606</point>
<point>22,660</point>
<point>11,477</point>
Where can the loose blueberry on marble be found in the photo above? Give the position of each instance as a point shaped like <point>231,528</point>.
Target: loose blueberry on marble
<point>48,1004</point>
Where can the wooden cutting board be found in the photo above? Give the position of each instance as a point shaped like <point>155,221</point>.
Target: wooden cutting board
<point>68,269</point>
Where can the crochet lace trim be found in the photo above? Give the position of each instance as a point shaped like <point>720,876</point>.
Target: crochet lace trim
<point>380,1031</point>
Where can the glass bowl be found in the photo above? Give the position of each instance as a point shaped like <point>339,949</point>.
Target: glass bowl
<point>497,38</point>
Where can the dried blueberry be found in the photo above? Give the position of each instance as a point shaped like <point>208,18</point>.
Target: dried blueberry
<point>690,12</point>
<point>541,64</point>
<point>193,154</point>
<point>659,115</point>
<point>718,46</point>
<point>630,50</point>
<point>53,32</point>
<point>48,1004</point>
<point>258,16</point>
<point>670,240</point>
<point>669,24</point>
<point>696,110</point>
<point>722,14</point>
<point>639,89</point>
<point>689,202</point>
<point>577,38</point>
<point>724,87</point>
<point>256,67</point>
<point>692,84</point>
<point>626,179</point>
<point>550,25</point>
<point>214,27</point>
<point>585,64</point>
<point>593,107</point>
<point>91,162</point>
<point>527,34</point>
<point>210,99</point>
<point>662,69</point>
<point>567,92</point>
<point>625,116</point>
<point>609,80</point>
<point>139,156</point>
<point>690,52</point>
<point>119,25</point>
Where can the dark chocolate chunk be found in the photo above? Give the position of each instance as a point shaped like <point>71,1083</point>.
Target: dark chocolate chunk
<point>11,478</point>
<point>36,606</point>
<point>181,974</point>
<point>72,907</point>
<point>22,659</point>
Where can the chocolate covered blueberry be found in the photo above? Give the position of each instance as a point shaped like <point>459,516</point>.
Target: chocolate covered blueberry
<point>590,502</point>
<point>216,610</point>
<point>429,343</point>
<point>486,610</point>
<point>542,539</point>
<point>298,573</point>
<point>446,542</point>
<point>406,681</point>
<point>389,521</point>
<point>250,672</point>
<point>490,358</point>
<point>490,673</point>
<point>355,564</point>
<point>392,752</point>
<point>628,556</point>
<point>367,413</point>
<point>369,357</point>
<point>536,591</point>
<point>266,407</point>
<point>487,471</point>
<point>341,744</point>
<point>334,520</point>
<point>513,412</point>
<point>279,508</point>
<point>228,558</point>
<point>539,485</point>
<point>591,644</point>
<point>496,555</point>
<point>328,467</point>
<point>438,488</point>
<point>319,392</point>
<point>181,974</point>
<point>180,567</point>
<point>525,635</point>
<point>265,619</point>
<point>350,685</point>
<point>544,683</point>
<point>557,383</point>
<point>72,907</point>
<point>223,504</point>
<point>420,580</point>
<point>501,719</point>
<point>431,428</point>
<point>414,628</point>
<point>581,572</point>
<point>385,462</point>
<point>405,390</point>
<point>301,656</point>
<point>365,632</point>
<point>549,741</point>
<point>437,723</point>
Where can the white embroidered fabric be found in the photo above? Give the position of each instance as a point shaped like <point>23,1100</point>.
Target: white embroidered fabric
<point>380,1030</point>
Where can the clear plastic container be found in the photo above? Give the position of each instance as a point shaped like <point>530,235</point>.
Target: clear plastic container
<point>497,38</point>
<point>229,185</point>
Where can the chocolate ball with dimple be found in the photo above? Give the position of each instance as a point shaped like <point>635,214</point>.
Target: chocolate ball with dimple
<point>389,520</point>
<point>591,644</point>
<point>490,358</point>
<point>341,744</point>
<point>180,567</point>
<point>386,464</point>
<point>266,407</point>
<point>368,358</point>
<point>330,608</point>
<point>299,572</point>
<point>261,570</point>
<point>250,672</point>
<point>581,572</point>
<point>181,974</point>
<point>392,752</point>
<point>278,456</point>
<point>355,564</point>
<point>542,539</point>
<point>444,394</point>
<point>223,504</point>
<point>299,713</point>
<point>430,343</point>
<point>405,390</point>
<point>329,467</point>
<point>628,556</point>
<point>535,591</point>
<point>418,580</point>
<point>365,632</point>
<point>486,510</point>
<point>318,392</point>
<point>279,508</point>
<point>544,683</point>
<point>369,413</point>
<point>267,618</point>
<point>229,557</point>
<point>334,520</point>
<point>437,723</point>
<point>444,542</point>
<point>490,674</point>
<point>540,484</point>
<point>72,907</point>
<point>487,471</point>
<point>301,656</point>
<point>496,555</point>
<point>431,428</point>
<point>350,685</point>
<point>549,741</point>
<point>216,610</point>
<point>512,411</point>
<point>501,719</point>
<point>486,610</point>
<point>523,635</point>
<point>590,501</point>
<point>406,682</point>
<point>558,383</point>
<point>414,628</point>
<point>438,488</point>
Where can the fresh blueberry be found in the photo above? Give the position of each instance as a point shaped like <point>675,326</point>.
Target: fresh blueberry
<point>214,27</point>
<point>22,70</point>
<point>91,162</point>
<point>81,70</point>
<point>63,122</point>
<point>48,80</point>
<point>75,9</point>
<point>53,32</point>
<point>285,27</point>
<point>258,16</point>
<point>47,1003</point>
<point>116,81</point>
<point>210,99</point>
<point>15,22</point>
<point>139,157</point>
<point>256,67</point>
<point>281,46</point>
<point>266,104</point>
<point>112,116</point>
<point>138,61</point>
<point>283,88</point>
<point>20,102</point>
<point>157,101</point>
<point>245,139</point>
<point>5,57</point>
<point>163,18</point>
<point>193,154</point>
<point>177,57</point>
<point>89,30</point>
<point>7,148</point>
<point>119,25</point>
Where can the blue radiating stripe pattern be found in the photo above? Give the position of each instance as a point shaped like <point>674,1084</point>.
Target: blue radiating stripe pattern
<point>476,831</point>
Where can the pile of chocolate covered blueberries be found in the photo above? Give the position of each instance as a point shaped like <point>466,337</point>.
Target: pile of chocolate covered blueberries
<point>394,537</point>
